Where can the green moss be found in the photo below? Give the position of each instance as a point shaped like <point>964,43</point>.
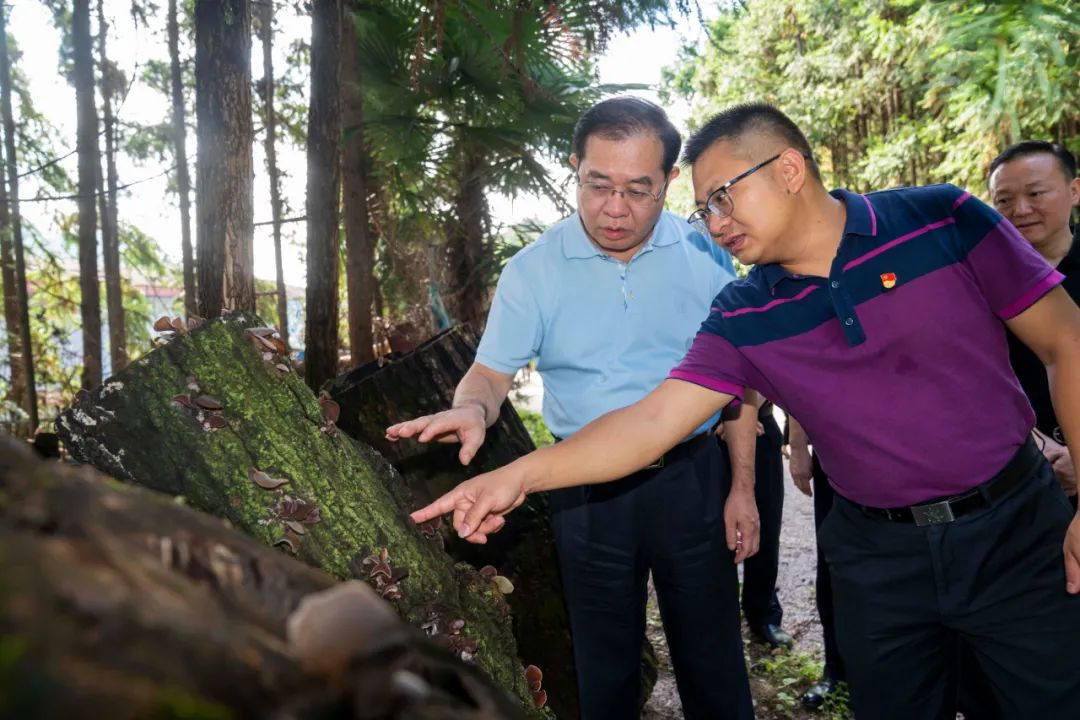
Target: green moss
<point>274,424</point>
<point>23,692</point>
<point>177,704</point>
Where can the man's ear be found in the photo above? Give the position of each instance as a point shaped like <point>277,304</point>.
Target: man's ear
<point>793,170</point>
<point>574,160</point>
<point>673,174</point>
<point>1074,191</point>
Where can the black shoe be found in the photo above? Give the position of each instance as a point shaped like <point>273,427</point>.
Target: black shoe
<point>815,697</point>
<point>773,635</point>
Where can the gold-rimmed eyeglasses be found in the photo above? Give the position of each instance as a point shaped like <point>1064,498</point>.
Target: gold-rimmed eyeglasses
<point>597,192</point>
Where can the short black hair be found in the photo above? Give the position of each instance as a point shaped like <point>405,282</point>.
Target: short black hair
<point>735,122</point>
<point>1065,159</point>
<point>621,117</point>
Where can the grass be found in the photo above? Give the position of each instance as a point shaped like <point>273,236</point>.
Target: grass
<point>779,678</point>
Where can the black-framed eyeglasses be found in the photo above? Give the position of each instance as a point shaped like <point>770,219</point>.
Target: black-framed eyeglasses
<point>597,192</point>
<point>719,202</point>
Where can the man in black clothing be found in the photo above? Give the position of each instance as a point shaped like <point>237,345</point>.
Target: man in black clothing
<point>1034,185</point>
<point>760,602</point>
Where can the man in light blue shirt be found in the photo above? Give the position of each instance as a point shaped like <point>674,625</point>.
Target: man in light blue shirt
<point>601,330</point>
<point>608,301</point>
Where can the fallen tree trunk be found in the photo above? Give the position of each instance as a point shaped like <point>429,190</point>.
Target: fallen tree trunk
<point>119,603</point>
<point>422,382</point>
<point>218,416</point>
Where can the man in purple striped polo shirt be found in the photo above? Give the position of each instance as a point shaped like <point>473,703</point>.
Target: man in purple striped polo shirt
<point>879,322</point>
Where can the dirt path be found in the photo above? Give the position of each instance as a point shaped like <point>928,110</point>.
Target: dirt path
<point>798,557</point>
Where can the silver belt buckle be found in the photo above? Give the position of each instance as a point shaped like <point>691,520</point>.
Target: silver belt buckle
<point>932,514</point>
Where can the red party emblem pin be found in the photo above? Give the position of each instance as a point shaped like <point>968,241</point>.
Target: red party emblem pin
<point>888,280</point>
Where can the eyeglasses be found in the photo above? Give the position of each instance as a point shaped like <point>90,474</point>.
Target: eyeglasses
<point>719,202</point>
<point>600,192</point>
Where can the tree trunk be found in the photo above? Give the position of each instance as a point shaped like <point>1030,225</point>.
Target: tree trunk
<point>157,423</point>
<point>183,181</point>
<point>467,244</point>
<point>89,163</point>
<point>223,209</point>
<point>359,236</point>
<point>110,238</point>
<point>12,318</point>
<point>120,603</point>
<point>323,195</point>
<point>23,364</point>
<point>266,35</point>
<point>423,382</point>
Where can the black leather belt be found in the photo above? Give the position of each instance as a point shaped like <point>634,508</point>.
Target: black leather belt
<point>945,510</point>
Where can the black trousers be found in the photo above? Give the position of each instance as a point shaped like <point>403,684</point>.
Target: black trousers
<point>823,502</point>
<point>994,578</point>
<point>609,537</point>
<point>760,603</point>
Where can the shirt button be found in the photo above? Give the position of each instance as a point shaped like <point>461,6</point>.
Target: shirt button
<point>849,321</point>
<point>835,283</point>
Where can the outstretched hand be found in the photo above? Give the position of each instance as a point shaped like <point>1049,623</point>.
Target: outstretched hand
<point>479,504</point>
<point>466,425</point>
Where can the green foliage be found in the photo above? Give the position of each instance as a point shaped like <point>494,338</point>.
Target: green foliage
<point>789,674</point>
<point>54,305</point>
<point>471,91</point>
<point>896,92</point>
<point>538,430</point>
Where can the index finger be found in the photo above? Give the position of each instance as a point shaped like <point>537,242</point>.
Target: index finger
<point>408,428</point>
<point>447,503</point>
<point>476,515</point>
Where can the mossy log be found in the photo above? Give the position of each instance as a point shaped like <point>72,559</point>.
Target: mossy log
<point>218,416</point>
<point>118,602</point>
<point>422,382</point>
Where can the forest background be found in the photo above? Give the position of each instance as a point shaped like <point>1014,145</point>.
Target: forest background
<point>359,171</point>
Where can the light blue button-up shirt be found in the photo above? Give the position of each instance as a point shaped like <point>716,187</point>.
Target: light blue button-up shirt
<point>604,333</point>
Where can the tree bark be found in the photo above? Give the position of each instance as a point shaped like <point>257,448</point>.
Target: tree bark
<point>23,364</point>
<point>467,245</point>
<point>423,382</point>
<point>224,229</point>
<point>125,604</point>
<point>183,180</point>
<point>12,318</point>
<point>266,35</point>
<point>89,163</point>
<point>323,195</point>
<point>359,235</point>
<point>154,424</point>
<point>110,237</point>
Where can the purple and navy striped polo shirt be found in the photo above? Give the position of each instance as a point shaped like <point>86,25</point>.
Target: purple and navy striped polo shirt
<point>897,363</point>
